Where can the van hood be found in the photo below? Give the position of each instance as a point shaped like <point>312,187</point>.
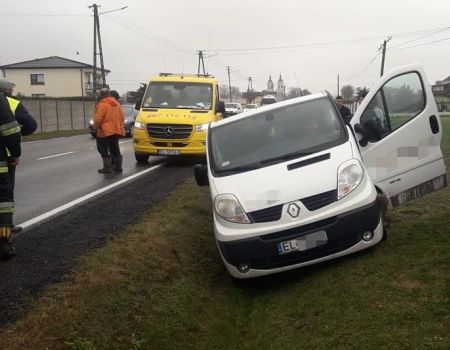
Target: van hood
<point>176,116</point>
<point>275,184</point>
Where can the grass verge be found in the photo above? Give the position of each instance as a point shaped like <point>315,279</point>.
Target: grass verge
<point>161,285</point>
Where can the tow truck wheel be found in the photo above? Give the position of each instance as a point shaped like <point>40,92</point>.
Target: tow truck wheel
<point>141,158</point>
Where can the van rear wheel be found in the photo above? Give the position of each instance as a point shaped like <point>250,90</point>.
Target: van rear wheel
<point>141,158</point>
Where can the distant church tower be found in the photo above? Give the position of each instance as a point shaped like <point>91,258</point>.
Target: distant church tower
<point>270,84</point>
<point>281,89</point>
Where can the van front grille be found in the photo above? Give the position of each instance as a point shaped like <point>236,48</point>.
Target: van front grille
<point>319,200</point>
<point>266,215</point>
<point>169,131</point>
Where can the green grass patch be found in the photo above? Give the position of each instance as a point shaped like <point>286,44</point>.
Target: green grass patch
<point>54,134</point>
<point>162,285</point>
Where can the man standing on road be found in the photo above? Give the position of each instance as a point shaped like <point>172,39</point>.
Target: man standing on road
<point>345,112</point>
<point>108,120</point>
<point>14,122</point>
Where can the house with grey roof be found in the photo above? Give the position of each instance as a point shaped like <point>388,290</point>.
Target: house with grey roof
<point>441,92</point>
<point>52,77</point>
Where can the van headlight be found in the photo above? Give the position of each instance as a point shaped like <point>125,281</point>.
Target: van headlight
<point>350,175</point>
<point>201,127</point>
<point>139,125</point>
<point>228,208</point>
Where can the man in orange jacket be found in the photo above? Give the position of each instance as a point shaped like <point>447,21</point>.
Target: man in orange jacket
<point>108,120</point>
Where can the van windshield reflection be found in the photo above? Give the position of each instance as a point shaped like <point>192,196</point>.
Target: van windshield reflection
<point>275,136</point>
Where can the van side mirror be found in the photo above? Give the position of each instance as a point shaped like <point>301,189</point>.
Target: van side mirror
<point>138,103</point>
<point>220,107</point>
<point>360,130</point>
<point>201,174</point>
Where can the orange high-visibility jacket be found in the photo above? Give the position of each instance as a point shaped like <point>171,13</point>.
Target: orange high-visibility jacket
<point>109,118</point>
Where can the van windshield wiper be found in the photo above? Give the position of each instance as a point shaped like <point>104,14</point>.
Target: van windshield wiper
<point>242,168</point>
<point>286,157</point>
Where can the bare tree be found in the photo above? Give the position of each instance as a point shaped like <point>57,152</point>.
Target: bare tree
<point>347,92</point>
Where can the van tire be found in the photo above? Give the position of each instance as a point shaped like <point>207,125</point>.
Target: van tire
<point>141,158</point>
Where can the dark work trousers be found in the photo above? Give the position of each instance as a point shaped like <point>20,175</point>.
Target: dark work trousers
<point>108,146</point>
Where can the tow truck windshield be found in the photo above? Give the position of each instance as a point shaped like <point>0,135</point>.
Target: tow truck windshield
<point>178,96</point>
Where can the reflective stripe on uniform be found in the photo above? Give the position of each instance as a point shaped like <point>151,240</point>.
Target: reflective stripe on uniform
<point>7,210</point>
<point>3,164</point>
<point>3,169</point>
<point>6,204</point>
<point>5,232</point>
<point>13,103</point>
<point>14,130</point>
<point>9,125</point>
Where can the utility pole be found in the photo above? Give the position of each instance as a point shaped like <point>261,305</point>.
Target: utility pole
<point>97,38</point>
<point>250,90</point>
<point>229,83</point>
<point>338,86</point>
<point>383,54</point>
<point>202,61</point>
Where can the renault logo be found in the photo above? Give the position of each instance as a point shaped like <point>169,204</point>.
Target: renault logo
<point>293,210</point>
<point>168,131</point>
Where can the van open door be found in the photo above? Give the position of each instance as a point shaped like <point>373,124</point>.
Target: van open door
<point>400,133</point>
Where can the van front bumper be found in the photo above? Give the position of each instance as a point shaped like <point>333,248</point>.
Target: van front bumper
<point>344,236</point>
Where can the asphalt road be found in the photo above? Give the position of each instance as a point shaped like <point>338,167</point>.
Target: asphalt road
<point>54,172</point>
<point>47,252</point>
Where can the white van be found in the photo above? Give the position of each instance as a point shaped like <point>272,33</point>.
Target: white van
<point>292,185</point>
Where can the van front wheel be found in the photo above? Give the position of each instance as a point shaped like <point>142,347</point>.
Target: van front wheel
<point>141,158</point>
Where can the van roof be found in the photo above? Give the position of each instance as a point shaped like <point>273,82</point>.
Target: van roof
<point>178,77</point>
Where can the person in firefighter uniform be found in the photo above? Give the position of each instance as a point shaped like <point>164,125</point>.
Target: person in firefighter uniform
<point>14,122</point>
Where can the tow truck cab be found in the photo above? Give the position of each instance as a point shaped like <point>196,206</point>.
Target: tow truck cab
<point>174,115</point>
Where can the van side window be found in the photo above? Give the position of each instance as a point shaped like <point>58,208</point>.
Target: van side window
<point>405,98</point>
<point>398,101</point>
<point>374,119</point>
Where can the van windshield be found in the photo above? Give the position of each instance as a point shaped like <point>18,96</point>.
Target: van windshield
<point>275,136</point>
<point>178,96</point>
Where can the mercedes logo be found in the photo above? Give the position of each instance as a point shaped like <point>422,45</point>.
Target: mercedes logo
<point>168,131</point>
<point>293,210</point>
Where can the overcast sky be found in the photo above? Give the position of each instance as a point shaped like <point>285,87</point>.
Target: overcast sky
<point>308,42</point>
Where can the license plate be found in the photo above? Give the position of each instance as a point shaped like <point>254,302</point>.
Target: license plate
<point>302,243</point>
<point>168,152</point>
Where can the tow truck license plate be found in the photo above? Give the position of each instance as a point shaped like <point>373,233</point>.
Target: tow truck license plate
<point>168,152</point>
<point>302,243</point>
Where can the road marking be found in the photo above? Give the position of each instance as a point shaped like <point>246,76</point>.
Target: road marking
<point>56,155</point>
<point>84,198</point>
<point>125,141</point>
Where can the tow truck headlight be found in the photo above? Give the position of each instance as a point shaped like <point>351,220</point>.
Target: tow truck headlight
<point>350,175</point>
<point>201,127</point>
<point>139,125</point>
<point>228,208</point>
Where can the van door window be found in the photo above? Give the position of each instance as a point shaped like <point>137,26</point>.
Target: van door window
<point>398,101</point>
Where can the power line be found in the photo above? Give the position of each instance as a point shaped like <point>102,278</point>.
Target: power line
<point>427,43</point>
<point>41,15</point>
<point>324,43</point>
<point>368,64</point>
<point>420,37</point>
<point>152,36</point>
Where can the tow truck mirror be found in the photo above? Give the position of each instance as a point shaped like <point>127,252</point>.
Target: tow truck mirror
<point>220,107</point>
<point>138,103</point>
<point>201,174</point>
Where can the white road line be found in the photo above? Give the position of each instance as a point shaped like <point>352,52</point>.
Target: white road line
<point>84,198</point>
<point>125,141</point>
<point>56,155</point>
